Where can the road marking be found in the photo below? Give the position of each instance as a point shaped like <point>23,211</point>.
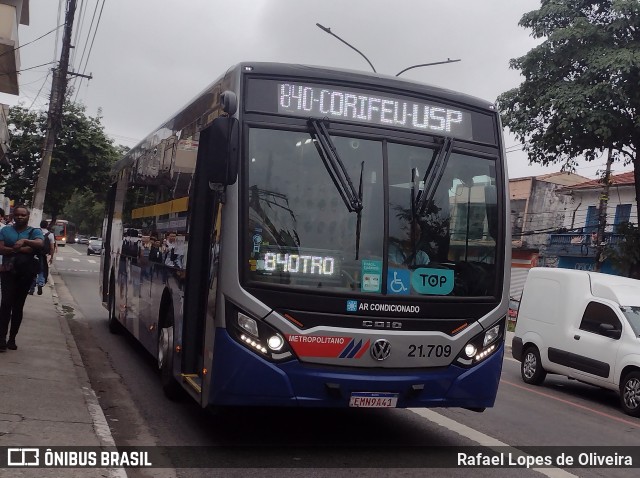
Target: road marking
<point>78,270</point>
<point>482,439</point>
<point>91,261</point>
<point>568,402</point>
<point>75,259</point>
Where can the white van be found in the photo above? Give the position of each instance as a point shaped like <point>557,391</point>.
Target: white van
<point>584,325</point>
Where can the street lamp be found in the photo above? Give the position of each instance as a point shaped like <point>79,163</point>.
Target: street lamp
<point>328,30</point>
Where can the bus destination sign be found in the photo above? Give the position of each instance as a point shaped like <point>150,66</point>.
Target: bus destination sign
<point>366,107</point>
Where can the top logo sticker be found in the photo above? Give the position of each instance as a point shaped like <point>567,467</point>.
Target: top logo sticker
<point>428,281</point>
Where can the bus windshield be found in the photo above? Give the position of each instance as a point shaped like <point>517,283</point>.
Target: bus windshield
<point>300,232</point>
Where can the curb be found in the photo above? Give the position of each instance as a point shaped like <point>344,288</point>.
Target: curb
<point>100,425</point>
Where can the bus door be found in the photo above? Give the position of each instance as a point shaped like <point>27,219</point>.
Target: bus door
<point>200,287</point>
<point>107,227</point>
<point>216,167</point>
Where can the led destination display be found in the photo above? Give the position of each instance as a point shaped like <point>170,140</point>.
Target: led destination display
<point>389,109</point>
<point>302,262</point>
<point>368,107</point>
<point>295,263</point>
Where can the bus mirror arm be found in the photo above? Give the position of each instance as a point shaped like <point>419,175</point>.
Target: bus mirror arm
<point>218,150</point>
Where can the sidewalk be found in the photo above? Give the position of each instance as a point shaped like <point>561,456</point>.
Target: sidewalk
<point>45,395</point>
<point>507,344</point>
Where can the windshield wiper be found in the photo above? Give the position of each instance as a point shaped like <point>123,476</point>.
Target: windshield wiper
<point>432,176</point>
<point>338,173</point>
<point>359,213</point>
<point>335,167</point>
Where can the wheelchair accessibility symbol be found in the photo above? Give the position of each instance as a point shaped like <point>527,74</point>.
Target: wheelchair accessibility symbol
<point>398,281</point>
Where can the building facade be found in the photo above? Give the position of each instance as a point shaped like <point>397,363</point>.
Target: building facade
<point>575,246</point>
<point>538,207</point>
<point>12,14</point>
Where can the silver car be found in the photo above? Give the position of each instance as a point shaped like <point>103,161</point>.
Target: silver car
<point>94,247</point>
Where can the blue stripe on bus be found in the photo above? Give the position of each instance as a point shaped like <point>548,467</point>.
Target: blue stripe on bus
<point>355,350</point>
<point>347,349</point>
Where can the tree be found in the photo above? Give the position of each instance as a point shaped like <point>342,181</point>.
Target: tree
<point>625,256</point>
<point>82,157</point>
<point>85,211</point>
<point>580,94</point>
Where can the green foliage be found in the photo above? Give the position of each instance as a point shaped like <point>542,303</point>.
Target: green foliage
<point>625,256</point>
<point>86,212</point>
<point>82,156</point>
<point>580,93</point>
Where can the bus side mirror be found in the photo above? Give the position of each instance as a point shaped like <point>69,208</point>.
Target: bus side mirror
<point>218,148</point>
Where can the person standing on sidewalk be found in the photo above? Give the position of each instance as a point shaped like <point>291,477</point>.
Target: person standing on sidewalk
<point>18,244</point>
<point>2,224</point>
<point>47,250</point>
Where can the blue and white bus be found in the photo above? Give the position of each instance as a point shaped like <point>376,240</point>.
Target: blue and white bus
<point>304,236</point>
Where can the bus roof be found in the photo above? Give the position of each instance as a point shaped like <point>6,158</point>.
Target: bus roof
<point>312,73</point>
<point>362,78</point>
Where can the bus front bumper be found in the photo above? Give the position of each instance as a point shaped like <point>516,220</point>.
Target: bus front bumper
<point>242,378</point>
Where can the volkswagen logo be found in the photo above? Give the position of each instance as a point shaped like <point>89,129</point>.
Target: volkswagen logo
<point>381,349</point>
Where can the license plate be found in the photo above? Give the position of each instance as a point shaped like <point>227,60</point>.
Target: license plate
<point>373,400</point>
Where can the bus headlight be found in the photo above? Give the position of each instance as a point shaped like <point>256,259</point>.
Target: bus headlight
<point>470,350</point>
<point>491,335</point>
<point>248,324</point>
<point>256,335</point>
<point>482,345</point>
<point>275,342</point>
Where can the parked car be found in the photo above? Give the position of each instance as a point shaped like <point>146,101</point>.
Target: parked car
<point>82,239</point>
<point>94,247</point>
<point>583,325</point>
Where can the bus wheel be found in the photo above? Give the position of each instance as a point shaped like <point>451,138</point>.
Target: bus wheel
<point>531,367</point>
<point>114,325</point>
<point>630,394</point>
<point>170,385</point>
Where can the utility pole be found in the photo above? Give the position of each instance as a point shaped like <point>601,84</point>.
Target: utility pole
<point>602,214</point>
<point>54,117</point>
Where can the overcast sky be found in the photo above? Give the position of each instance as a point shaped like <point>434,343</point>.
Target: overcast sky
<point>149,57</point>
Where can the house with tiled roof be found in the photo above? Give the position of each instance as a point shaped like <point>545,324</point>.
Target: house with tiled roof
<point>537,208</point>
<point>575,246</point>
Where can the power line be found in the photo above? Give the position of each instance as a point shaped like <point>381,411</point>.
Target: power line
<point>55,45</point>
<point>32,41</point>
<point>86,42</point>
<point>80,23</point>
<point>45,81</point>
<point>26,69</point>
<point>90,48</point>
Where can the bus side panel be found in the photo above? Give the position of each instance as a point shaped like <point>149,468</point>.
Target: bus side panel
<point>239,377</point>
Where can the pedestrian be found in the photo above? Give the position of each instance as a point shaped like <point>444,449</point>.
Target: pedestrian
<point>46,258</point>
<point>2,224</point>
<point>18,245</point>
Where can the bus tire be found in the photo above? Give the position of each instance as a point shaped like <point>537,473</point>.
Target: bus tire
<point>114,326</point>
<point>170,386</point>
<point>531,366</point>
